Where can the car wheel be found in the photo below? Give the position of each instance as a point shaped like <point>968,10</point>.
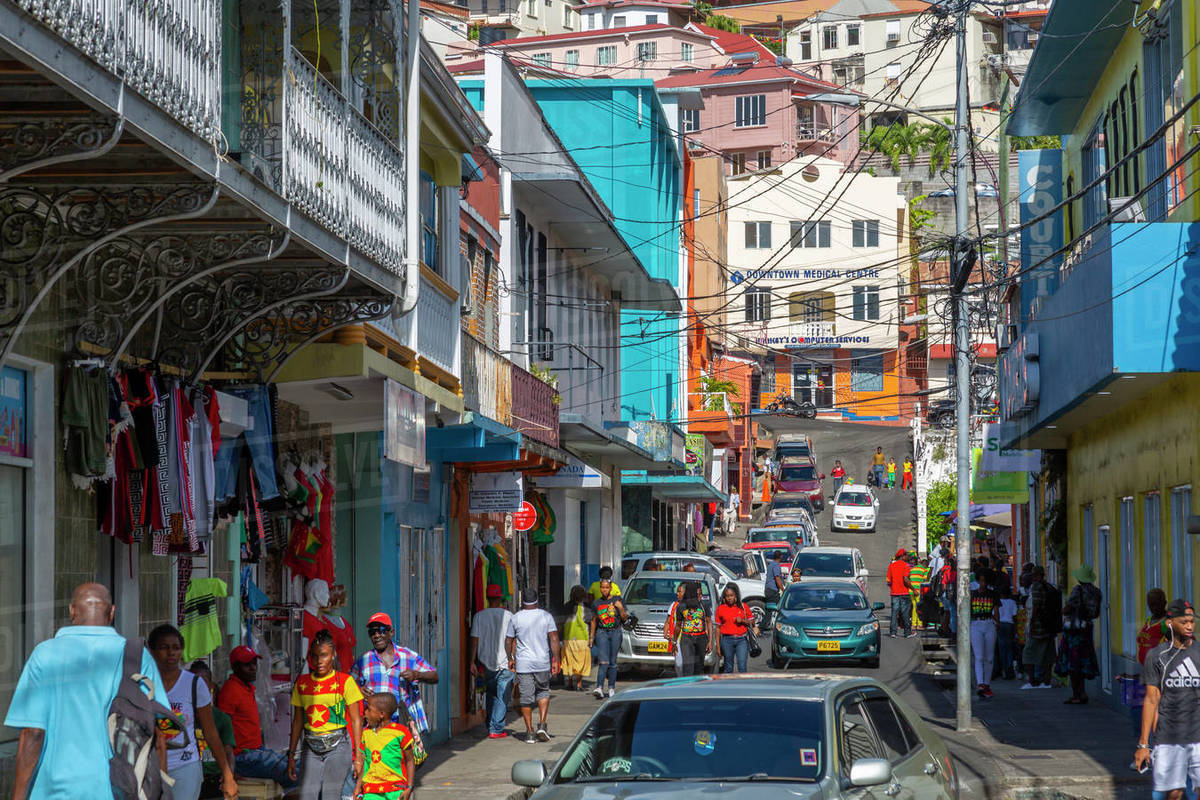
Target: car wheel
<point>873,663</point>
<point>775,662</point>
<point>759,610</point>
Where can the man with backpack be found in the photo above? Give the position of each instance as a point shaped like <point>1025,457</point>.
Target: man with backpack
<point>1045,623</point>
<point>62,702</point>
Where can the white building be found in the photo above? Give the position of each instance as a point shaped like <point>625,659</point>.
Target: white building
<point>511,19</point>
<point>814,291</point>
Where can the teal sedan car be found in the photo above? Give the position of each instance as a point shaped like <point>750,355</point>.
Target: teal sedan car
<point>825,620</point>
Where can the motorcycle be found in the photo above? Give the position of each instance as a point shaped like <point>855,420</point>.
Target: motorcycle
<point>789,405</point>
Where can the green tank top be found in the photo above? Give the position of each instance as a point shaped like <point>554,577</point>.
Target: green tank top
<point>576,627</point>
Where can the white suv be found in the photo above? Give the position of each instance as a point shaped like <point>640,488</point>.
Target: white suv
<point>855,508</point>
<point>674,561</point>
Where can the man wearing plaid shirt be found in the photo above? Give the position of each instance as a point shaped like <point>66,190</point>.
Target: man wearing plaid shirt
<point>388,667</point>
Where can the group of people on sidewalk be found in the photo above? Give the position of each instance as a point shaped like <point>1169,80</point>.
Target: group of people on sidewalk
<point>354,733</point>
<point>884,470</point>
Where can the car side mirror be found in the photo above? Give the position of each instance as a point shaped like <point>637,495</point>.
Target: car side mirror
<point>863,772</point>
<point>532,773</point>
<point>877,606</point>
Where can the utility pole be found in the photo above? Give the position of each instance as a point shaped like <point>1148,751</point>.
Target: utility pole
<point>960,270</point>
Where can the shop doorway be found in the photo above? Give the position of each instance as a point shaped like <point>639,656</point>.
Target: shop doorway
<point>420,623</point>
<point>812,383</point>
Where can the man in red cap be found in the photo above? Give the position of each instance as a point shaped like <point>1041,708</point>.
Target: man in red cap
<point>900,585</point>
<point>237,699</point>
<point>388,667</point>
<point>489,658</point>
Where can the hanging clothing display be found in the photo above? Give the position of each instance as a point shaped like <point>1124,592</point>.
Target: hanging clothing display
<point>85,424</point>
<point>201,629</point>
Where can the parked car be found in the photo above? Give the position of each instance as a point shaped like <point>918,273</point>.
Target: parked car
<point>803,736</point>
<point>791,445</point>
<point>941,414</point>
<point>832,563</point>
<point>823,620</point>
<point>802,475</point>
<point>786,505</point>
<point>648,596</point>
<point>855,508</point>
<point>801,535</point>
<point>672,561</point>
<point>784,552</point>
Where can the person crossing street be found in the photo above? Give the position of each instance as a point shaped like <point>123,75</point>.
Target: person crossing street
<point>1171,712</point>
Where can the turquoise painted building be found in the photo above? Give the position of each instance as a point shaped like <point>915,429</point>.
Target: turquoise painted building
<point>618,133</point>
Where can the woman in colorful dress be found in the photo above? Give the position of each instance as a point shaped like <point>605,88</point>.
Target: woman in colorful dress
<point>576,629</point>
<point>326,711</point>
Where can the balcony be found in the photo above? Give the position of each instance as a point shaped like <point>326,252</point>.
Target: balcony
<point>806,132</point>
<point>486,381</point>
<point>535,414</point>
<point>711,414</point>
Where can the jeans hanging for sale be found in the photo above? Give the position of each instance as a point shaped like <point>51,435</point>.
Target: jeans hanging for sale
<point>260,441</point>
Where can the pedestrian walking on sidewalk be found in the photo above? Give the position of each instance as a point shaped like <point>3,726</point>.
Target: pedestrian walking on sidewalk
<point>693,627</point>
<point>576,635</point>
<point>606,573</point>
<point>984,613</point>
<point>734,619</point>
<point>1149,637</point>
<point>838,473</point>
<point>325,710</point>
<point>900,586</point>
<point>773,584</point>
<point>1171,713</point>
<point>878,466</point>
<point>891,473</point>
<point>669,628</point>
<point>533,653</point>
<point>1006,631</point>
<point>1076,652</point>
<point>918,576</point>
<point>606,635</point>
<point>489,659</point>
<point>387,749</point>
<point>907,482</point>
<point>1045,622</point>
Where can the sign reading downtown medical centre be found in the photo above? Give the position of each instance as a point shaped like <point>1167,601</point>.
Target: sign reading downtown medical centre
<point>802,274</point>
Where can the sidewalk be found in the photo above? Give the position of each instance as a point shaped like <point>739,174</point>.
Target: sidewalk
<point>1026,744</point>
<point>472,767</point>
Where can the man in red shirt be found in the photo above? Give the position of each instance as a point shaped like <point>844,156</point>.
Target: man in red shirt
<point>838,473</point>
<point>899,584</point>
<point>236,698</point>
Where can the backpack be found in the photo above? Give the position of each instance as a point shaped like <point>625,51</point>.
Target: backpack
<point>1051,611</point>
<point>133,769</point>
<point>1090,597</point>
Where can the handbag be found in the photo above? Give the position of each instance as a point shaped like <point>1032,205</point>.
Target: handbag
<point>752,644</point>
<point>322,744</point>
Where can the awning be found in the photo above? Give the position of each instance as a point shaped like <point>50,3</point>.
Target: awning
<point>594,444</point>
<point>489,446</point>
<point>1002,519</point>
<point>676,487</point>
<point>470,169</point>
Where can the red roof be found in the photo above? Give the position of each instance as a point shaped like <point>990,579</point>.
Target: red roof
<point>760,71</point>
<point>732,43</point>
<point>605,3</point>
<point>476,66</point>
<point>555,37</point>
<point>465,66</point>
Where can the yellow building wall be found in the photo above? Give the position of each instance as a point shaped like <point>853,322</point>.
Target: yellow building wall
<point>1150,444</point>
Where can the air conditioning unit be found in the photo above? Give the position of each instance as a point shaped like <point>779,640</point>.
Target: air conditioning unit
<point>989,37</point>
<point>1032,37</point>
<point>893,36</point>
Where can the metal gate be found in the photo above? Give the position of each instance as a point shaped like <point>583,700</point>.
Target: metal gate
<point>420,623</point>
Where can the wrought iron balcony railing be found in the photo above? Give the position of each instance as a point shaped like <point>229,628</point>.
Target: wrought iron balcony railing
<point>535,413</point>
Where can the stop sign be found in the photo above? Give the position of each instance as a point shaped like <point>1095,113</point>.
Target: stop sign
<point>524,519</point>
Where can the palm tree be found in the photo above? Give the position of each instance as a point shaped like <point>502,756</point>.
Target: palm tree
<point>711,388</point>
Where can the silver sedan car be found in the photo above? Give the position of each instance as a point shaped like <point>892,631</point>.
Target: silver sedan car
<point>750,736</point>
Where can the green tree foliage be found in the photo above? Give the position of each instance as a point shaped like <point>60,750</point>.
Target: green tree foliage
<point>942,496</point>
<point>712,388</point>
<point>704,11</point>
<point>919,218</point>
<point>1034,142</point>
<point>909,141</point>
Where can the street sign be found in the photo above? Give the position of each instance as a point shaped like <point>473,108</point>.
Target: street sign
<point>526,518</point>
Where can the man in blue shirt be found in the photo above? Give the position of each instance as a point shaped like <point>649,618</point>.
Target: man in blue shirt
<point>62,699</point>
<point>773,583</point>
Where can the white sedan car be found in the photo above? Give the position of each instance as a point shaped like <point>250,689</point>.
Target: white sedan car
<point>855,508</point>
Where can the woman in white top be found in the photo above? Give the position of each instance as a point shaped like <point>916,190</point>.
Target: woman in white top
<point>191,701</point>
<point>1006,632</point>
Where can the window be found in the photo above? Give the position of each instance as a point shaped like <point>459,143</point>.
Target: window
<point>687,52</point>
<point>751,110</point>
<point>811,233</point>
<point>865,232</point>
<point>594,21</point>
<point>829,37</point>
<point>647,51</point>
<point>652,19</point>
<point>891,72</point>
<point>1087,513</point>
<point>805,45</point>
<point>572,60</point>
<point>758,235</point>
<point>866,302</point>
<point>737,163</point>
<point>618,21</point>
<point>764,159</point>
<point>853,35</point>
<point>767,385</point>
<point>893,31</point>
<point>758,305</point>
<point>491,35</point>
<point>429,223</point>
<point>1151,539</point>
<point>895,733</point>
<point>866,372</point>
<point>16,610</point>
<point>606,56</point>
<point>855,738</point>
<point>568,16</point>
<point>1181,543</point>
<point>1130,607</point>
<point>531,8</point>
<point>1093,159</point>
<point>541,59</point>
<point>689,120</point>
<point>1163,97</point>
<point>811,306</point>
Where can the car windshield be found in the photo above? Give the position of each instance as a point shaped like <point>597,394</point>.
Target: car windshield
<point>792,449</point>
<point>734,563</point>
<point>825,565</point>
<point>798,472</point>
<point>650,591</point>
<point>854,499</point>
<point>791,505</point>
<point>773,535</point>
<point>801,598</point>
<point>777,553</point>
<point>701,739</point>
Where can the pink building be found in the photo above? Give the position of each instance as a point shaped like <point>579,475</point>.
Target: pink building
<point>757,114</point>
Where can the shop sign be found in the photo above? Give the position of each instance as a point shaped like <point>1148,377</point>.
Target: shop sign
<point>403,424</point>
<point>575,474</point>
<point>995,459</point>
<point>699,454</point>
<point>526,518</point>
<point>1040,182</point>
<point>495,492</point>
<point>14,386</point>
<point>1020,377</point>
<point>997,487</point>
<point>803,274</point>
